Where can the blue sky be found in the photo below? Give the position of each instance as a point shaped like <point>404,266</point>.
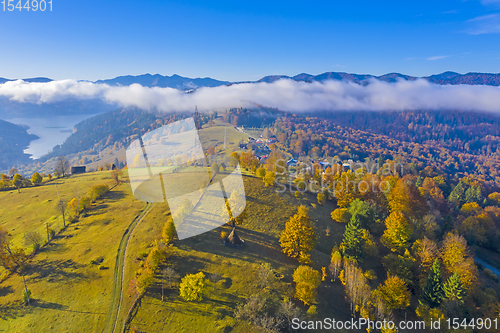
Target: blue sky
<point>245,40</point>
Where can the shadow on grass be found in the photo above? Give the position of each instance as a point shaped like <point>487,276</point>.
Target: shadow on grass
<point>258,246</point>
<point>4,291</point>
<point>99,209</point>
<point>56,306</point>
<point>113,196</point>
<point>13,310</point>
<point>55,271</point>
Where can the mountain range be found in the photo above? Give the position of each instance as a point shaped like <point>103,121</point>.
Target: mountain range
<point>185,83</point>
<point>443,78</point>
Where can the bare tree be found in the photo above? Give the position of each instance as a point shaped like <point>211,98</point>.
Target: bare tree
<point>170,275</point>
<point>336,264</point>
<point>34,239</point>
<point>12,172</point>
<point>357,288</point>
<point>17,258</point>
<point>287,311</point>
<point>115,175</point>
<point>62,207</point>
<point>62,166</point>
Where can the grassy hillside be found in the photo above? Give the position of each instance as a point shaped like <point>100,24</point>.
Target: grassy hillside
<point>33,207</point>
<point>70,293</point>
<point>237,269</point>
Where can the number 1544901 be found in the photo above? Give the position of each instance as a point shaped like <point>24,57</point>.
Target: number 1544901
<point>26,5</point>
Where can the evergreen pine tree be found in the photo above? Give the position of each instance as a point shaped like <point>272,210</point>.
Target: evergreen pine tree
<point>453,288</point>
<point>432,292</point>
<point>362,212</point>
<point>352,244</point>
<point>380,162</point>
<point>473,194</point>
<point>419,182</point>
<point>457,196</point>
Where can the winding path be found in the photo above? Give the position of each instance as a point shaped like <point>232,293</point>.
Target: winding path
<point>118,279</point>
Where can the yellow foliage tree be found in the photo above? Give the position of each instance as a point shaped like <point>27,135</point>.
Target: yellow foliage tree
<point>74,207</point>
<point>406,198</point>
<point>299,236</point>
<point>346,189</point>
<point>456,258</point>
<point>398,232</point>
<point>307,280</point>
<point>395,293</point>
<point>341,215</point>
<point>269,178</point>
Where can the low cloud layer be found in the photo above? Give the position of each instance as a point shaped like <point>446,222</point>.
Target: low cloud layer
<point>286,95</point>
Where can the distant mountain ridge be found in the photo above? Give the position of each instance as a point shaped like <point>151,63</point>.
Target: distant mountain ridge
<point>33,79</point>
<point>453,78</point>
<point>157,80</point>
<point>185,83</point>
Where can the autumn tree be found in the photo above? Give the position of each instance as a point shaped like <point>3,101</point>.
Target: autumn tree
<point>36,179</point>
<point>456,258</point>
<point>17,180</point>
<point>356,285</point>
<point>299,236</point>
<point>13,259</point>
<point>321,198</point>
<point>494,198</point>
<point>233,208</point>
<point>433,194</point>
<point>346,189</point>
<point>184,210</point>
<point>214,169</point>
<point>85,202</point>
<point>300,183</point>
<point>395,293</point>
<point>234,159</point>
<point>74,207</point>
<point>406,198</point>
<point>307,280</point>
<point>116,174</point>
<point>335,263</point>
<point>400,265</point>
<point>248,160</point>
<point>269,178</point>
<point>426,251</point>
<point>261,172</point>
<point>341,215</point>
<point>193,286</point>
<point>397,233</point>
<point>168,231</point>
